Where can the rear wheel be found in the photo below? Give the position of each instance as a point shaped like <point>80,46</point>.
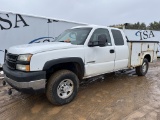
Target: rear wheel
<point>62,87</point>
<point>142,70</point>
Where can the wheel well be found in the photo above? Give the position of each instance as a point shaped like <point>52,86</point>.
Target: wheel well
<point>148,57</point>
<point>74,67</point>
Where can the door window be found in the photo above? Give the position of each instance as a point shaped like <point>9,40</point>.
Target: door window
<point>98,32</point>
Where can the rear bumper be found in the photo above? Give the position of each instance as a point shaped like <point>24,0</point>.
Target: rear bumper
<point>28,82</point>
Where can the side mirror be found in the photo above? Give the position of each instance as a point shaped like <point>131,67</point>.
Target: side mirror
<point>102,39</point>
<point>91,44</point>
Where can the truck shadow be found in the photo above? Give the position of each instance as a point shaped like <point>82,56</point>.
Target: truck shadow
<point>109,77</point>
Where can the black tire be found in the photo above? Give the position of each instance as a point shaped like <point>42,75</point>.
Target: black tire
<point>140,69</point>
<point>55,93</point>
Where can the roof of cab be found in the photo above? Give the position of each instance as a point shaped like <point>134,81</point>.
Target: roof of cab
<point>95,27</point>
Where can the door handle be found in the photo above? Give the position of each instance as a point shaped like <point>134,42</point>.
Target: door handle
<point>111,51</point>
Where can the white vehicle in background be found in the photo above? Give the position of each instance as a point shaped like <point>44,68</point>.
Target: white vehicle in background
<point>16,29</point>
<point>81,52</point>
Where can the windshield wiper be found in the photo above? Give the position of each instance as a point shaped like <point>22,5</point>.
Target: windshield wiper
<point>65,41</point>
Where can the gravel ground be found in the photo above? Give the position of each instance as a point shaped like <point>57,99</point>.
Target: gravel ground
<point>118,96</point>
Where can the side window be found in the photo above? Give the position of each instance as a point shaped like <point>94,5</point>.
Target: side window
<point>100,31</point>
<point>118,38</point>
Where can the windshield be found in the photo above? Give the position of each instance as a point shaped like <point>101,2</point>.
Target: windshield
<point>75,36</point>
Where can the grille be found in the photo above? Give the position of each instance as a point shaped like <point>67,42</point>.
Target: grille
<point>11,65</point>
<point>11,60</point>
<point>11,57</point>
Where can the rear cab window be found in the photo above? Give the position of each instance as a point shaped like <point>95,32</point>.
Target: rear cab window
<point>118,38</point>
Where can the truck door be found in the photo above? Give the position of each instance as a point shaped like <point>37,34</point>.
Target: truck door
<point>99,60</point>
<point>121,49</point>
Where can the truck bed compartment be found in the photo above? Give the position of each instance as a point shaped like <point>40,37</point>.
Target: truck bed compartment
<point>139,49</point>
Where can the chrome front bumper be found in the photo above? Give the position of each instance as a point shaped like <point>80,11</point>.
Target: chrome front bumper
<point>35,85</point>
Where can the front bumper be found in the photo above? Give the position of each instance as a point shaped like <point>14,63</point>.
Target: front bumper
<point>27,82</point>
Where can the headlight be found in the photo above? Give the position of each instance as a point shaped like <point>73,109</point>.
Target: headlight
<point>23,67</point>
<point>24,57</point>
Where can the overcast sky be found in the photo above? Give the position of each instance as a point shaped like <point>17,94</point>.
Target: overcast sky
<point>101,12</point>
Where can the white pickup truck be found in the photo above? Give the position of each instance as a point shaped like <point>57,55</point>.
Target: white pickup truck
<point>81,52</point>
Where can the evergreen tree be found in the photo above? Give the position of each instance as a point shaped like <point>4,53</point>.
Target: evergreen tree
<point>141,26</point>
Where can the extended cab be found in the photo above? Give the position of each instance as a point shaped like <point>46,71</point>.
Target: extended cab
<point>81,52</point>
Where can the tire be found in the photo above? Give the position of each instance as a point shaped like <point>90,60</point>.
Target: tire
<point>142,70</point>
<point>62,87</point>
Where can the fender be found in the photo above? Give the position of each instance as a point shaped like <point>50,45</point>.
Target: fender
<point>51,63</point>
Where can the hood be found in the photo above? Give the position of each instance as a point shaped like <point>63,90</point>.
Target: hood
<point>39,47</point>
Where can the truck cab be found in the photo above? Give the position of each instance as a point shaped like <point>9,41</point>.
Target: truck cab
<point>80,52</point>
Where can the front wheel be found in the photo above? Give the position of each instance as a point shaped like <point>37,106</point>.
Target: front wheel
<point>62,87</point>
<point>142,70</point>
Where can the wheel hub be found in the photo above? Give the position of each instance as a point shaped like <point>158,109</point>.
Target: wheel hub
<point>65,88</point>
<point>144,67</point>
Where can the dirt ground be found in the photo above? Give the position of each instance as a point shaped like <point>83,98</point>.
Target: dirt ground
<point>119,96</point>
